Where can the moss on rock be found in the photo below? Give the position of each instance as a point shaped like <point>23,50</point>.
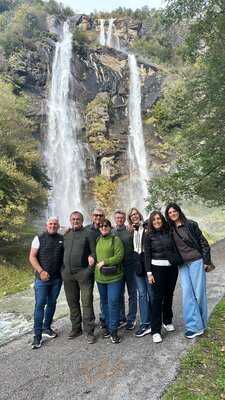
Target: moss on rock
<point>104,192</point>
<point>97,121</point>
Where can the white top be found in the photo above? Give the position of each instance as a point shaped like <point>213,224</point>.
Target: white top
<point>137,240</point>
<point>161,263</point>
<point>35,243</point>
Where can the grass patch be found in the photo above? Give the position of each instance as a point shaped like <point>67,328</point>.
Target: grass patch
<point>15,272</point>
<point>202,372</point>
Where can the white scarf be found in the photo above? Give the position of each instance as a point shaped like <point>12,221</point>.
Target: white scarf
<point>137,240</point>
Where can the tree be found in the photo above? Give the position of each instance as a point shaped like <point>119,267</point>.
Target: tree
<point>160,42</point>
<point>22,179</point>
<point>25,26</point>
<point>194,123</point>
<point>58,9</point>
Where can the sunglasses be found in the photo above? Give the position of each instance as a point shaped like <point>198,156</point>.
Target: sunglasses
<point>104,226</point>
<point>98,215</point>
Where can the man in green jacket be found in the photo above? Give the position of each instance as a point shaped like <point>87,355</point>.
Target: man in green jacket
<point>77,274</point>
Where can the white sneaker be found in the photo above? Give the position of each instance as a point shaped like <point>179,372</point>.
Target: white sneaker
<point>169,327</point>
<point>156,338</point>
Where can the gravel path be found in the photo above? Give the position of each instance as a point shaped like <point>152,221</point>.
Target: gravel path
<point>71,370</point>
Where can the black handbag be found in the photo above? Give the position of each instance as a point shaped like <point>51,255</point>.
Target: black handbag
<point>109,269</point>
<point>209,267</point>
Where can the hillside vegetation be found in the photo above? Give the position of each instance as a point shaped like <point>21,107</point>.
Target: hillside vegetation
<point>190,115</point>
<point>23,181</point>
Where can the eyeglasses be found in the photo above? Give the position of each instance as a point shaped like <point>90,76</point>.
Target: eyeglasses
<point>98,215</point>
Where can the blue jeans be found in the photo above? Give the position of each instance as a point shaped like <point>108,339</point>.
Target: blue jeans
<point>145,295</point>
<point>110,299</point>
<point>193,283</point>
<point>46,294</point>
<point>129,279</point>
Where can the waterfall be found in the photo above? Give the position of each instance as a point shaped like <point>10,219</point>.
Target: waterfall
<point>136,145</point>
<point>63,150</point>
<point>110,33</point>
<point>102,33</point>
<point>111,39</point>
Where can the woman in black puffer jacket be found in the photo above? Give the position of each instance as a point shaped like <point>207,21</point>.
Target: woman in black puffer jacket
<point>161,261</point>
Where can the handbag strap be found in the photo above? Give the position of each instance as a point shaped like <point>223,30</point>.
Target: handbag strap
<point>113,241</point>
<point>186,241</point>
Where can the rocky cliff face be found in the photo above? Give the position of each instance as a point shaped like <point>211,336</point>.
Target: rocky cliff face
<point>100,87</point>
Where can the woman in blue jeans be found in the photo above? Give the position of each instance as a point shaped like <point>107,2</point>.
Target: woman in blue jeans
<point>195,252</point>
<point>109,278</point>
<point>135,220</point>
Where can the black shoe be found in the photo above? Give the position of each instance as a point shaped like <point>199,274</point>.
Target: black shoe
<point>115,338</point>
<point>191,335</point>
<point>105,333</point>
<point>122,324</point>
<point>74,334</point>
<point>49,333</point>
<point>130,325</point>
<point>90,338</point>
<point>37,342</point>
<point>145,330</point>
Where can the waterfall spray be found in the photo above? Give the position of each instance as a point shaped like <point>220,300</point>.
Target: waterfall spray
<point>110,33</point>
<point>102,33</point>
<point>136,145</point>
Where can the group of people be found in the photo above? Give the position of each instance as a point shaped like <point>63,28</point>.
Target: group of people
<point>142,256</point>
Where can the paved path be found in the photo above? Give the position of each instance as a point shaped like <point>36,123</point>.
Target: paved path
<point>72,370</point>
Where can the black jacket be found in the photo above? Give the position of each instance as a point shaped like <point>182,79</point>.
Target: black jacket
<point>197,240</point>
<point>159,245</point>
<point>139,259</point>
<point>93,232</point>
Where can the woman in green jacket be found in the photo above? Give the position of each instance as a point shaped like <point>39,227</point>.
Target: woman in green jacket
<point>109,277</point>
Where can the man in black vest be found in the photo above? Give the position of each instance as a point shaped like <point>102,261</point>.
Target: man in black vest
<point>46,258</point>
<point>77,274</point>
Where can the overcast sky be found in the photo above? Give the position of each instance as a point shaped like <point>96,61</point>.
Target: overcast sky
<point>89,5</point>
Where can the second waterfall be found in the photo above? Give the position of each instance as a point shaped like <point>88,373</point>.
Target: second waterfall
<point>136,145</point>
<point>63,149</point>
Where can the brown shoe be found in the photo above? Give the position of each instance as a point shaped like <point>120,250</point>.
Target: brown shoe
<point>74,334</point>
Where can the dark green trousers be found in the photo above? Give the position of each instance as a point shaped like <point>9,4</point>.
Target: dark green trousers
<point>79,286</point>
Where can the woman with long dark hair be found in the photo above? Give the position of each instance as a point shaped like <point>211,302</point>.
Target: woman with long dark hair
<point>195,253</point>
<point>161,260</point>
